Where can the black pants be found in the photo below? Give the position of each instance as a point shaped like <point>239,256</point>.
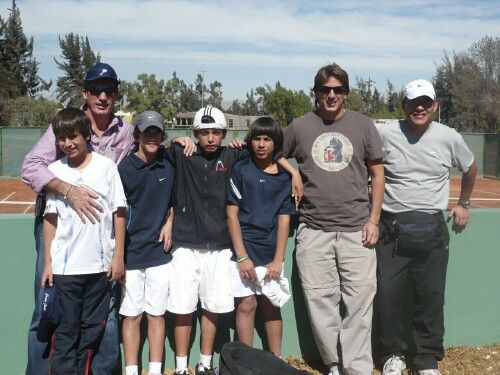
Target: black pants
<point>427,273</point>
<point>85,306</point>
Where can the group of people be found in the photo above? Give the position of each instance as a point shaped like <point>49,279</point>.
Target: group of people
<point>186,225</point>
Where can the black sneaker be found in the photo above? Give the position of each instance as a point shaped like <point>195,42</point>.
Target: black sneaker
<point>183,372</point>
<point>202,370</point>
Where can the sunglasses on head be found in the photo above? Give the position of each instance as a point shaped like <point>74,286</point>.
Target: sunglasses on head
<point>97,90</point>
<point>327,89</point>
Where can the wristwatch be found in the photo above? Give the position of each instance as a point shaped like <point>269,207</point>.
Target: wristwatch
<point>464,203</point>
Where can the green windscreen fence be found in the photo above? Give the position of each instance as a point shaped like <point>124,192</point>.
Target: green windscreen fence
<point>492,155</point>
<point>15,143</point>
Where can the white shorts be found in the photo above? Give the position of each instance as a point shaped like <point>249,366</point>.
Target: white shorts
<point>203,274</point>
<point>277,291</point>
<point>146,290</point>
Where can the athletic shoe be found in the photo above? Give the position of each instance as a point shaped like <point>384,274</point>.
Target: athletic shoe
<point>183,372</point>
<point>337,370</point>
<point>429,372</point>
<point>394,365</point>
<point>202,370</point>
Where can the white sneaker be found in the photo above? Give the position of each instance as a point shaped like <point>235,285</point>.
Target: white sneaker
<point>336,370</point>
<point>394,365</point>
<point>429,372</point>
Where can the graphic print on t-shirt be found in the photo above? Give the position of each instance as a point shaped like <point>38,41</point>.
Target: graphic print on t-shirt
<point>332,151</point>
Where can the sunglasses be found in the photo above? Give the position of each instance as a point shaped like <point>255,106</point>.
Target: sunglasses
<point>327,89</point>
<point>424,102</point>
<point>97,90</point>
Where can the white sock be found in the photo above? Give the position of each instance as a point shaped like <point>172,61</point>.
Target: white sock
<point>206,360</point>
<point>181,363</point>
<point>132,370</point>
<point>154,368</point>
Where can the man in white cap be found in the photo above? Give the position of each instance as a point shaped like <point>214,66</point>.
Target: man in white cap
<point>414,235</point>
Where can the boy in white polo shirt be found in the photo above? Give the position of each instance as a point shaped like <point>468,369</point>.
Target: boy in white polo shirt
<point>82,258</point>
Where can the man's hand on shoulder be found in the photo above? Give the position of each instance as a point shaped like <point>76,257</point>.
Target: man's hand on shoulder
<point>84,203</point>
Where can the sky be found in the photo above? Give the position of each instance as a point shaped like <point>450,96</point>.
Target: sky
<point>247,44</point>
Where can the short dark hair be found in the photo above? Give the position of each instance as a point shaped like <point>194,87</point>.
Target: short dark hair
<point>331,70</point>
<point>137,133</point>
<point>266,126</point>
<point>70,121</point>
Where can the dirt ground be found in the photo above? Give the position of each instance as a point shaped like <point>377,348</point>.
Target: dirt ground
<point>460,360</point>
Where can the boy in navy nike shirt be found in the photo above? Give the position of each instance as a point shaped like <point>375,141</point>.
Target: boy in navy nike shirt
<point>258,218</point>
<point>147,176</point>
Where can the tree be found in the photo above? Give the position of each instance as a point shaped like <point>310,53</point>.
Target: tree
<point>215,98</point>
<point>78,57</point>
<point>147,94</point>
<point>19,68</point>
<point>468,87</point>
<point>173,90</point>
<point>27,111</point>
<point>284,104</point>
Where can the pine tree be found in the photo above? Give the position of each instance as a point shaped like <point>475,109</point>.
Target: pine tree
<point>78,57</point>
<point>17,65</point>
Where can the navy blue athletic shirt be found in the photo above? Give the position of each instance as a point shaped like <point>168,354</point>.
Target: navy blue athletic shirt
<point>148,188</point>
<point>261,198</point>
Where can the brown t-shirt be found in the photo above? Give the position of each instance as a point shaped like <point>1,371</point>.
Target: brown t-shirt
<point>332,159</point>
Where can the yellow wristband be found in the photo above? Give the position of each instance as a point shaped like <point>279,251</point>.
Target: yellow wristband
<point>242,258</point>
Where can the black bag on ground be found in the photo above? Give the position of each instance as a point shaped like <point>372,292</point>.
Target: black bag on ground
<point>417,230</point>
<point>237,358</point>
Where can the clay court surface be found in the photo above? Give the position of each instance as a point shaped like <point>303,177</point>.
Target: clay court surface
<point>17,198</point>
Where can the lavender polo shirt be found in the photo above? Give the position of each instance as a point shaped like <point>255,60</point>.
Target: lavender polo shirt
<point>115,143</point>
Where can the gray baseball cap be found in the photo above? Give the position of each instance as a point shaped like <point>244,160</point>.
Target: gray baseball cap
<point>149,118</point>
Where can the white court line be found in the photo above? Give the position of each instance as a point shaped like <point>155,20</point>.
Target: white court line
<point>26,210</point>
<point>15,202</point>
<point>8,196</point>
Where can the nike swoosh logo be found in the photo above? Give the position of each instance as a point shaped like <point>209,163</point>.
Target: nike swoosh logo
<point>262,180</point>
<point>161,179</point>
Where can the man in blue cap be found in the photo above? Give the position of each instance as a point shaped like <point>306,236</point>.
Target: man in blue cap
<point>112,137</point>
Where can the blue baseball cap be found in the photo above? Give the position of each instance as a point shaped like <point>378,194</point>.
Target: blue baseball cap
<point>50,314</point>
<point>101,70</point>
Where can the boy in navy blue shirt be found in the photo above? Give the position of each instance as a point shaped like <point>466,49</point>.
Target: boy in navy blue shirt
<point>258,218</point>
<point>147,177</point>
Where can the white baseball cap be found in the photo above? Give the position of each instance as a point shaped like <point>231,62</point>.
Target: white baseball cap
<point>209,118</point>
<point>419,87</point>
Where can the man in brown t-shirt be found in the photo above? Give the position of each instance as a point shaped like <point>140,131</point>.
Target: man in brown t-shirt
<point>336,150</point>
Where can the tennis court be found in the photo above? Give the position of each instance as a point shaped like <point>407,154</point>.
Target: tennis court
<point>16,197</point>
